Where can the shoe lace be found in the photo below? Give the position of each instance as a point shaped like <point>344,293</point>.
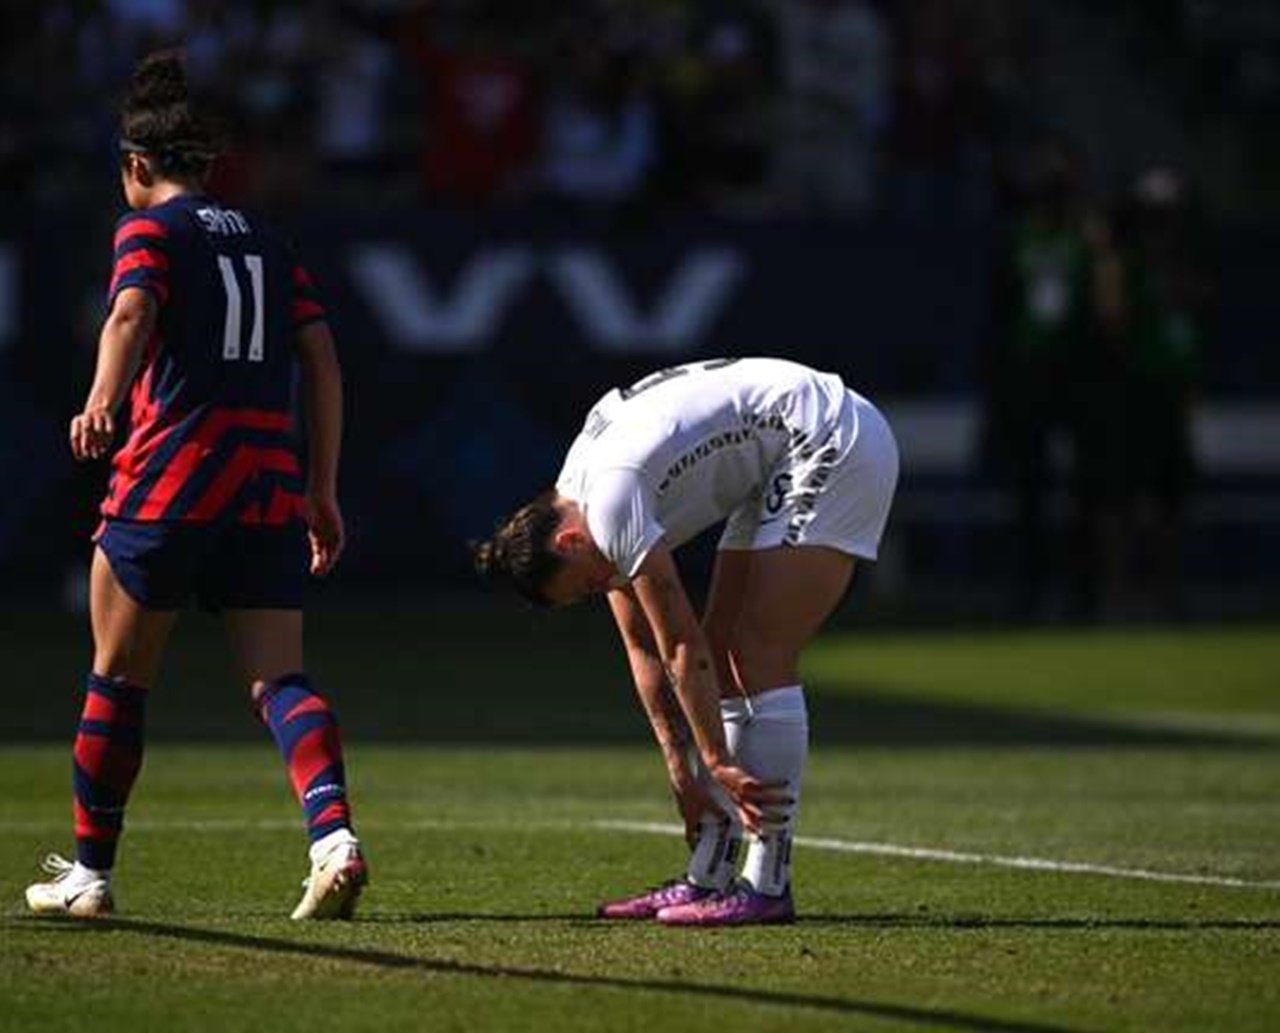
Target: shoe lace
<point>57,866</point>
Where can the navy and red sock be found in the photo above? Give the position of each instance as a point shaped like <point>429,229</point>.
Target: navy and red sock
<point>107,758</point>
<point>306,730</point>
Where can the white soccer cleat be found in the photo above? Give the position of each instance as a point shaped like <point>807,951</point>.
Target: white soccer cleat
<point>338,874</point>
<point>73,890</point>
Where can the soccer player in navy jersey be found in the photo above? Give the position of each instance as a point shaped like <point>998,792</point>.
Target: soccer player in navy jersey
<point>209,317</point>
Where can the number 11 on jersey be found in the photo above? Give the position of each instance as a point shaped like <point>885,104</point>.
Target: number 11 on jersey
<point>233,328</point>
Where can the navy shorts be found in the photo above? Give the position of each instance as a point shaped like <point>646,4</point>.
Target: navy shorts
<point>225,566</point>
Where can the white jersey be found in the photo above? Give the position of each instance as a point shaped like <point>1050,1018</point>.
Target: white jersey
<point>684,448</point>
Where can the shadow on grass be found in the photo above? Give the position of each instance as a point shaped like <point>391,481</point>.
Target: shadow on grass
<point>980,922</point>
<point>937,1017</point>
<point>871,718</point>
<point>482,676</point>
<point>866,718</point>
<point>868,921</point>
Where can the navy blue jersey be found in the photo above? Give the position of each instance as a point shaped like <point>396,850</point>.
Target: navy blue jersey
<point>211,407</point>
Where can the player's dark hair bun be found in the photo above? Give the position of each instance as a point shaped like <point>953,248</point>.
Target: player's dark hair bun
<point>160,116</point>
<point>520,551</point>
<point>159,79</point>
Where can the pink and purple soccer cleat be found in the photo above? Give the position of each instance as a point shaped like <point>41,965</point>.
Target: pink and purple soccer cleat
<point>676,893</point>
<point>742,905</point>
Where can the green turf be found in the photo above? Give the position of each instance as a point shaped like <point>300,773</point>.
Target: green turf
<point>1151,750</point>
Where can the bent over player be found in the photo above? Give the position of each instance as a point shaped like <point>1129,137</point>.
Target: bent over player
<point>208,318</point>
<point>803,470</point>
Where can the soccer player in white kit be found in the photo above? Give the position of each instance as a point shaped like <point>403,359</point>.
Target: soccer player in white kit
<point>802,470</point>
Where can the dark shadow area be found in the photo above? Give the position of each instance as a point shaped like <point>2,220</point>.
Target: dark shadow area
<point>606,718</point>
<point>936,1017</point>
<point>1085,924</point>
<point>870,718</point>
<point>868,921</point>
<point>446,917</point>
<point>483,675</point>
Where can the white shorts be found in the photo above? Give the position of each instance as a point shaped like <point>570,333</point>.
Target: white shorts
<point>836,494</point>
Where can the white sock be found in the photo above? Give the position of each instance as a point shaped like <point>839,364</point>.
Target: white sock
<point>715,854</point>
<point>79,873</point>
<point>768,737</point>
<point>338,837</point>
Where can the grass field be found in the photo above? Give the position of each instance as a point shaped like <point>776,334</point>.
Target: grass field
<point>489,752</point>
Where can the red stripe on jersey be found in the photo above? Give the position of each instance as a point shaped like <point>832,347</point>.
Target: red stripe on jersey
<point>145,258</point>
<point>285,505</point>
<point>131,460</point>
<point>180,467</point>
<point>305,308</point>
<point>225,484</point>
<point>155,266</point>
<point>201,443</point>
<point>246,461</point>
<point>139,228</point>
<point>302,278</point>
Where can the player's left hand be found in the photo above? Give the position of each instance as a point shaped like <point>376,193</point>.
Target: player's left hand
<point>91,433</point>
<point>757,802</point>
<point>325,531</point>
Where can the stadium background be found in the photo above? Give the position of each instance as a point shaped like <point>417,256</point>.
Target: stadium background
<point>513,207</point>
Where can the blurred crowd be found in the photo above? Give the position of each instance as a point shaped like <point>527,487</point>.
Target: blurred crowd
<point>1103,316</point>
<point>924,111</point>
<point>834,106</point>
<point>918,108</point>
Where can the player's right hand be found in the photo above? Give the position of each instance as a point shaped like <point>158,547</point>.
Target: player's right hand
<point>91,433</point>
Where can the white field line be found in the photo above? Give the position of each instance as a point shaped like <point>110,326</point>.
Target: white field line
<point>844,846</point>
<point>1039,864</point>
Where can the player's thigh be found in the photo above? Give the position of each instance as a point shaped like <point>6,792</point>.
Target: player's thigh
<point>266,644</point>
<point>729,576</point>
<point>128,638</point>
<point>790,593</point>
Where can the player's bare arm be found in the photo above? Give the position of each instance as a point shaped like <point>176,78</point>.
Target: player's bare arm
<point>322,398</point>
<point>661,707</point>
<point>650,679</point>
<point>684,652</point>
<point>124,336</point>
